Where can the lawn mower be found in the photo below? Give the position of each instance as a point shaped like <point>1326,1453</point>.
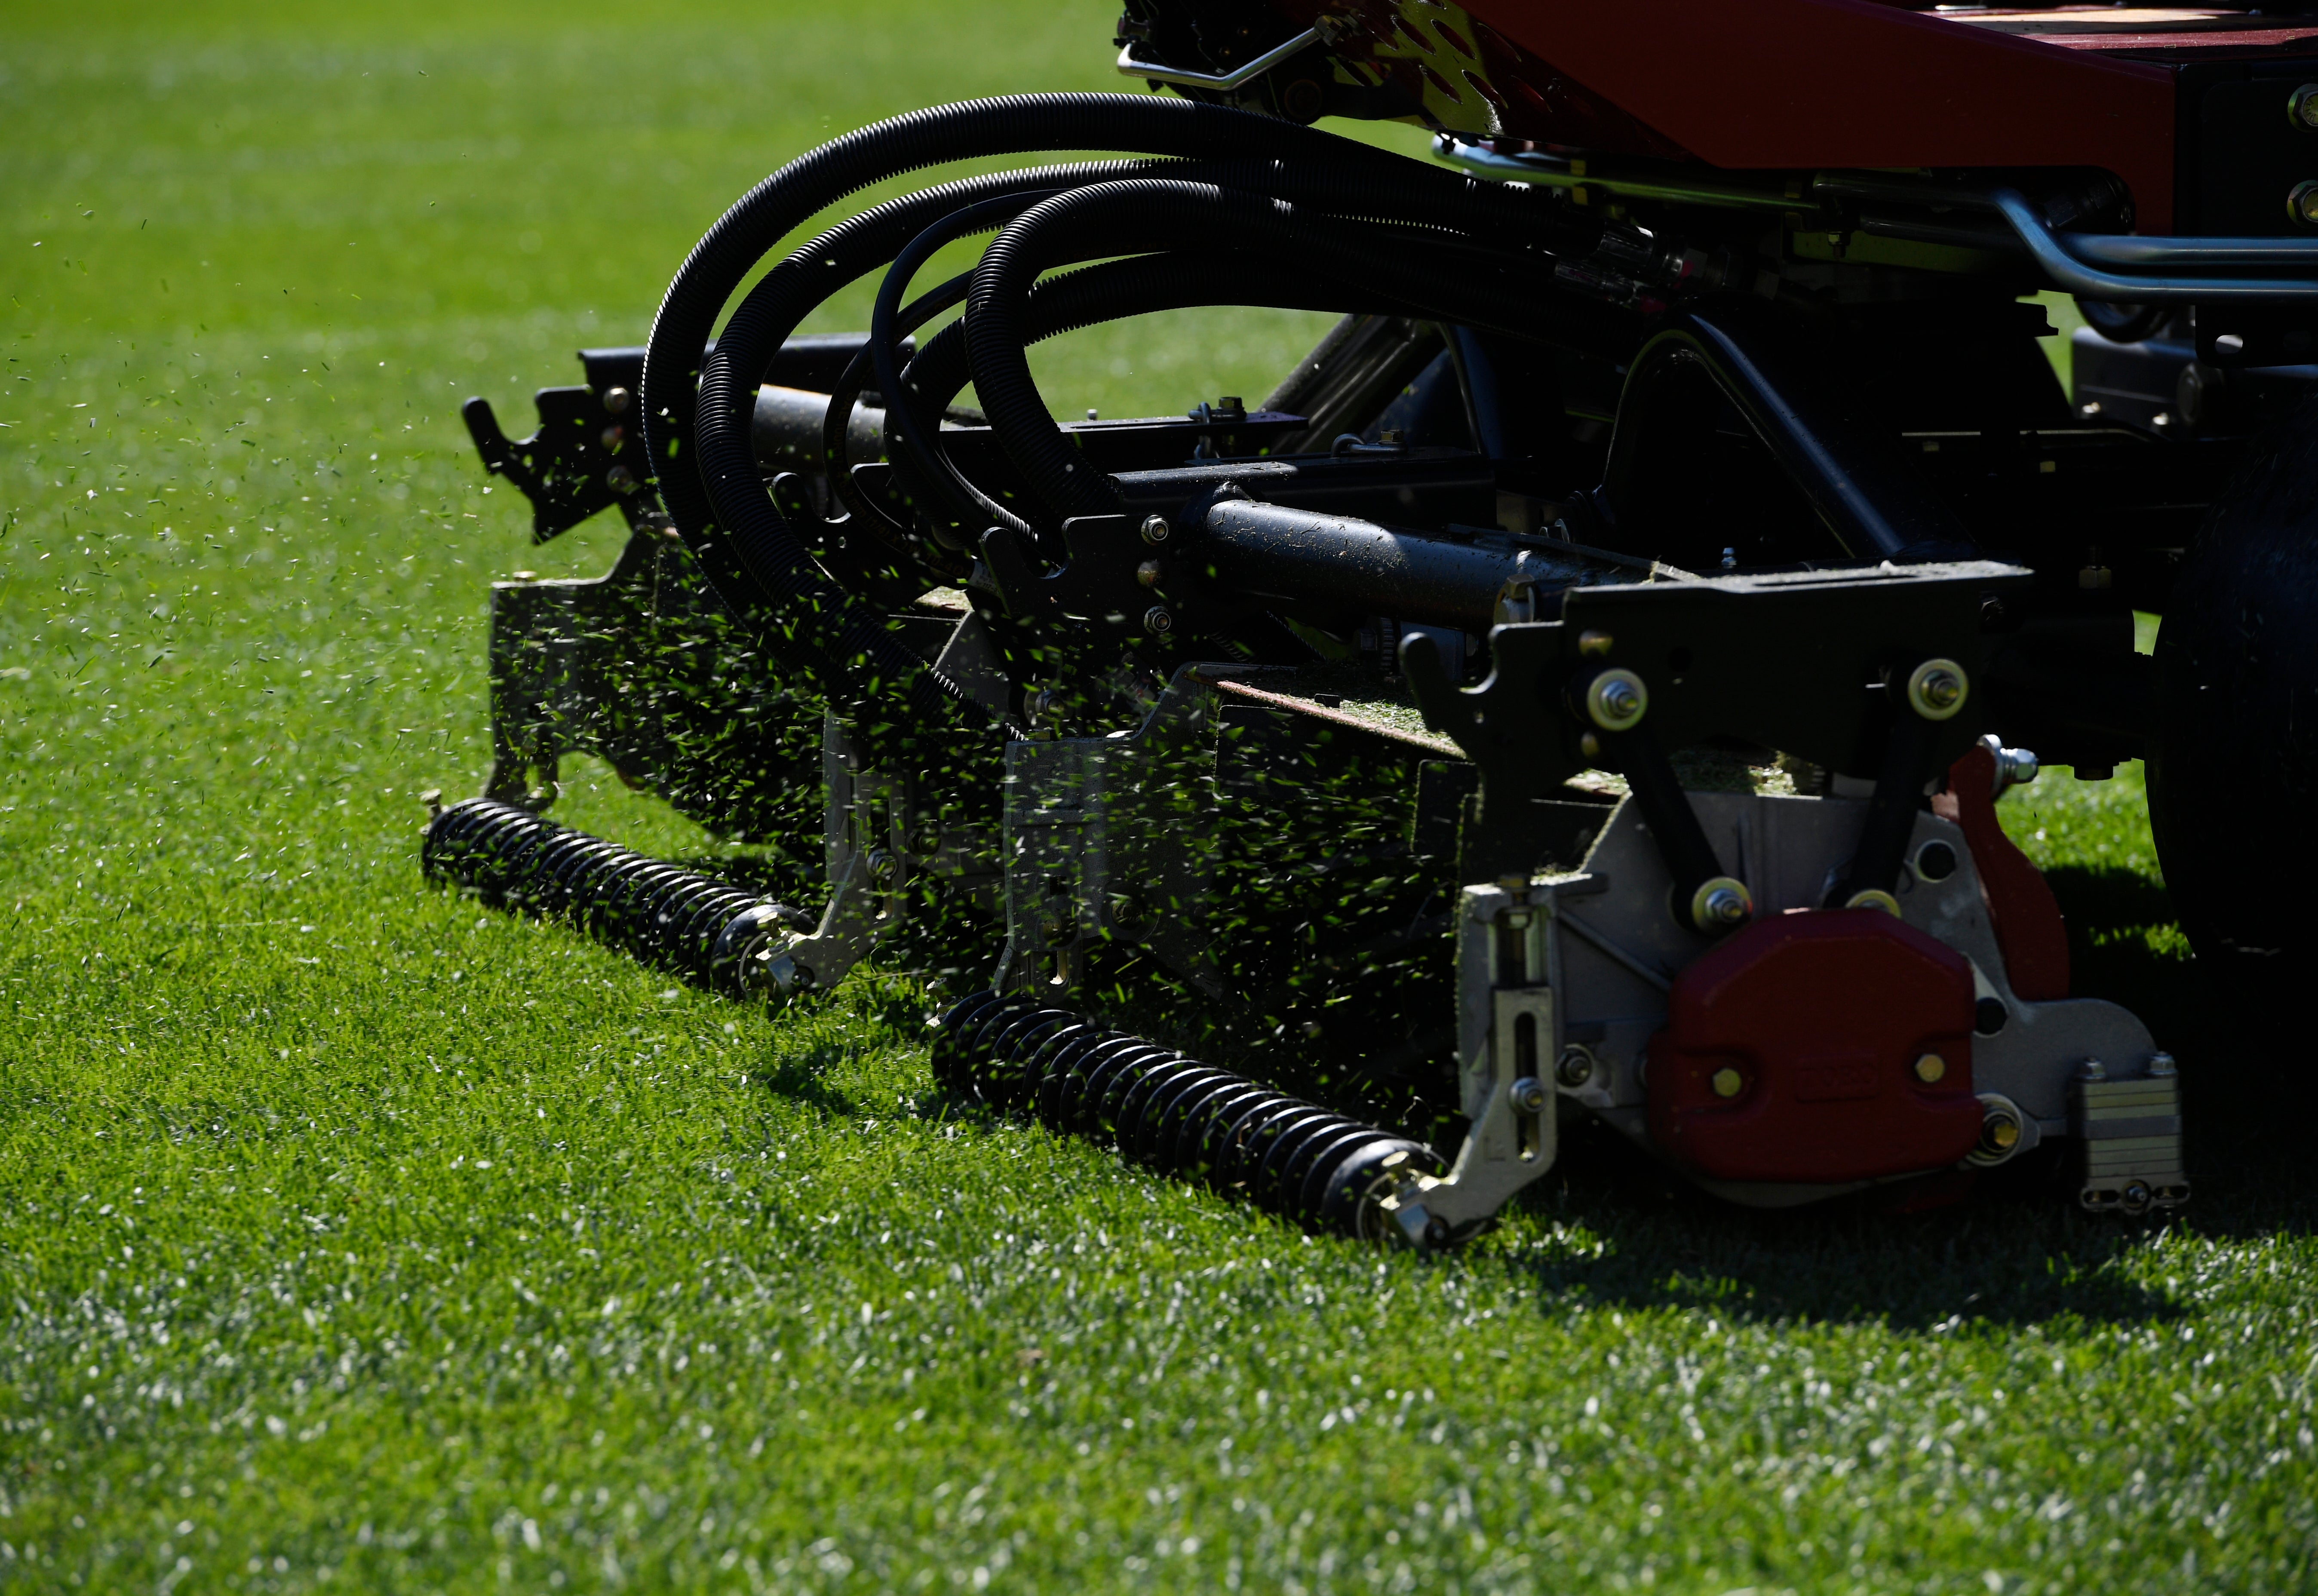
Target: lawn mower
<point>1581,689</point>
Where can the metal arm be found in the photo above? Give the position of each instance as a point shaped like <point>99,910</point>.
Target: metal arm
<point>1246,71</point>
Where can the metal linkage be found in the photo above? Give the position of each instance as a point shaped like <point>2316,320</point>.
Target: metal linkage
<point>1151,1102</point>
<point>679,918</point>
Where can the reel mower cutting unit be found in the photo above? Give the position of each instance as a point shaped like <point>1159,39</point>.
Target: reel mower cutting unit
<point>1582,687</point>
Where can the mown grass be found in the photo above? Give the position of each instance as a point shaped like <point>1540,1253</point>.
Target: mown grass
<point>350,1235</point>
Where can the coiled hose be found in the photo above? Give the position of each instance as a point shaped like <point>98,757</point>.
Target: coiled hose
<point>662,913</point>
<point>1154,1104</point>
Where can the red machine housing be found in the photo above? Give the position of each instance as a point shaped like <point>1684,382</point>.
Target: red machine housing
<point>1824,1016</point>
<point>1799,85</point>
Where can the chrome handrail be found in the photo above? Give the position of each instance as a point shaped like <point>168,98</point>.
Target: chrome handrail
<point>2128,268</point>
<point>1130,67</point>
<point>2056,253</point>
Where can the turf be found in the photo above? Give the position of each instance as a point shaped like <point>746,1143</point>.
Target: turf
<point>350,1235</point>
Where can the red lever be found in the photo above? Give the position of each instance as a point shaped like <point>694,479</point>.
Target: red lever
<point>2029,930</point>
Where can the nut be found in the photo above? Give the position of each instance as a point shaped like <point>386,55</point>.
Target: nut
<point>2301,106</point>
<point>615,401</point>
<point>2002,1132</point>
<point>1157,622</point>
<point>2301,204</point>
<point>1720,903</point>
<point>1616,700</point>
<point>1156,531</point>
<point>1574,1068</point>
<point>1148,573</point>
<point>620,479</point>
<point>1595,645</point>
<point>1937,688</point>
<point>1529,1095</point>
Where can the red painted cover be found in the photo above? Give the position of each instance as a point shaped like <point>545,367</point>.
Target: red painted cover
<point>1824,1015</point>
<point>1803,84</point>
<point>2029,930</point>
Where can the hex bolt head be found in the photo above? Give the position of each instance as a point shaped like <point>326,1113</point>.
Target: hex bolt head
<point>615,401</point>
<point>1529,1095</point>
<point>2301,106</point>
<point>1155,530</point>
<point>2001,1131</point>
<point>1727,1082</point>
<point>1931,1069</point>
<point>1937,688</point>
<point>2302,203</point>
<point>1616,700</point>
<point>1720,904</point>
<point>2162,1065</point>
<point>1574,1068</point>
<point>1148,573</point>
<point>1157,622</point>
<point>620,479</point>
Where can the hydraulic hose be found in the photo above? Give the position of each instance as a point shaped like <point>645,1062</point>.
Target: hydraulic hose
<point>808,623</point>
<point>1111,218</point>
<point>770,557</point>
<point>927,466</point>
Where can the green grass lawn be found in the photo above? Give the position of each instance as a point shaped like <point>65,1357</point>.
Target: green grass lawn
<point>352,1236</point>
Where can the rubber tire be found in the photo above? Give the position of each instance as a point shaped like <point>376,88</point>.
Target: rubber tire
<point>2233,766</point>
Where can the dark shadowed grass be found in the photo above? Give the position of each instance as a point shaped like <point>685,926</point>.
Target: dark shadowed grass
<point>351,1234</point>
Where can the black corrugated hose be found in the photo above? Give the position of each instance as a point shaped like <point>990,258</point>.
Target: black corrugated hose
<point>721,494</point>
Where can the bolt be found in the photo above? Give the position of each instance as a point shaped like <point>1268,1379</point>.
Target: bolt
<point>1157,622</point>
<point>1595,645</point>
<point>1147,573</point>
<point>1529,1095</point>
<point>1931,1069</point>
<point>2000,1131</point>
<point>2092,1069</point>
<point>2137,1197</point>
<point>1616,700</point>
<point>2161,1066</point>
<point>615,401</point>
<point>1574,1068</point>
<point>1729,560</point>
<point>884,868</point>
<point>1392,437</point>
<point>1727,1082</point>
<point>1720,903</point>
<point>613,437</point>
<point>2301,106</point>
<point>2015,767</point>
<point>1935,690</point>
<point>620,479</point>
<point>2301,204</point>
<point>1155,530</point>
<point>1875,898</point>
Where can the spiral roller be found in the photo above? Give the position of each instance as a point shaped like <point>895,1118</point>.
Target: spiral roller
<point>1153,1103</point>
<point>660,912</point>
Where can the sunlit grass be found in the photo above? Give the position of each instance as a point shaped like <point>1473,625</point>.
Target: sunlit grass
<point>349,1234</point>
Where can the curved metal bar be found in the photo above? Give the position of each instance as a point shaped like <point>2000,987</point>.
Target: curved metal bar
<point>1246,72</point>
<point>2135,252</point>
<point>2055,254</point>
<point>1553,172</point>
<point>1861,486</point>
